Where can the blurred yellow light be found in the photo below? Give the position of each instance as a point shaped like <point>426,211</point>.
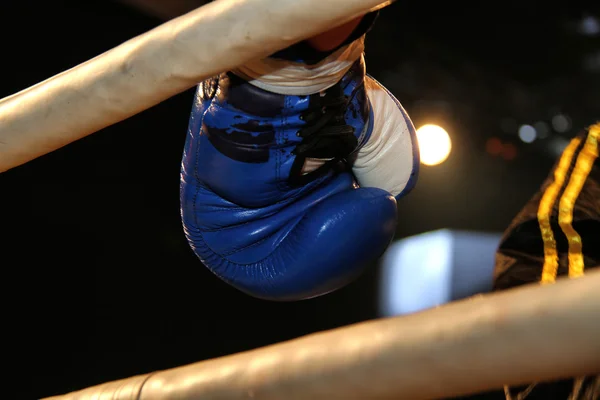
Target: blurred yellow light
<point>434,144</point>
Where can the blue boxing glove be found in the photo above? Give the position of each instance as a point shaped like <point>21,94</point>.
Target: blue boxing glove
<point>290,173</point>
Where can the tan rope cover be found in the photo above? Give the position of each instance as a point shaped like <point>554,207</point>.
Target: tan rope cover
<point>530,334</point>
<point>156,66</point>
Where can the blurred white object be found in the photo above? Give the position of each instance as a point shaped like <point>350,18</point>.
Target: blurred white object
<point>435,268</point>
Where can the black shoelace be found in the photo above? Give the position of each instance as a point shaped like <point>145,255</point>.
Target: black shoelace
<point>326,134</point>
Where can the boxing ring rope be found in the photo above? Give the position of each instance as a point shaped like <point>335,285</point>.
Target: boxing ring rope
<point>533,333</point>
<point>462,348</point>
<point>157,65</point>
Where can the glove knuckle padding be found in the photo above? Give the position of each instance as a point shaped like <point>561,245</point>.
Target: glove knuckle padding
<point>291,251</point>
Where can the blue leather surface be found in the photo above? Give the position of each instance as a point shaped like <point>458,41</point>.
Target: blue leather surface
<point>245,221</point>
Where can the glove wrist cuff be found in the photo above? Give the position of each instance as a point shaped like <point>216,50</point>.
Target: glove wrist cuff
<point>299,79</point>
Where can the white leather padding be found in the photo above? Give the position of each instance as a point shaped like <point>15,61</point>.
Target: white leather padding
<point>387,160</point>
<point>299,79</point>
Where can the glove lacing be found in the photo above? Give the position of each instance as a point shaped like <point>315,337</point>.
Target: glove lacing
<point>326,134</point>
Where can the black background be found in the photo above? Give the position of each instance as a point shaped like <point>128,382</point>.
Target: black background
<point>98,280</point>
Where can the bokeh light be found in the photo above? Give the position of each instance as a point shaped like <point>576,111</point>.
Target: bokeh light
<point>434,144</point>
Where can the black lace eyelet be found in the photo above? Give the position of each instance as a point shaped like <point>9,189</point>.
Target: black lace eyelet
<point>298,133</point>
